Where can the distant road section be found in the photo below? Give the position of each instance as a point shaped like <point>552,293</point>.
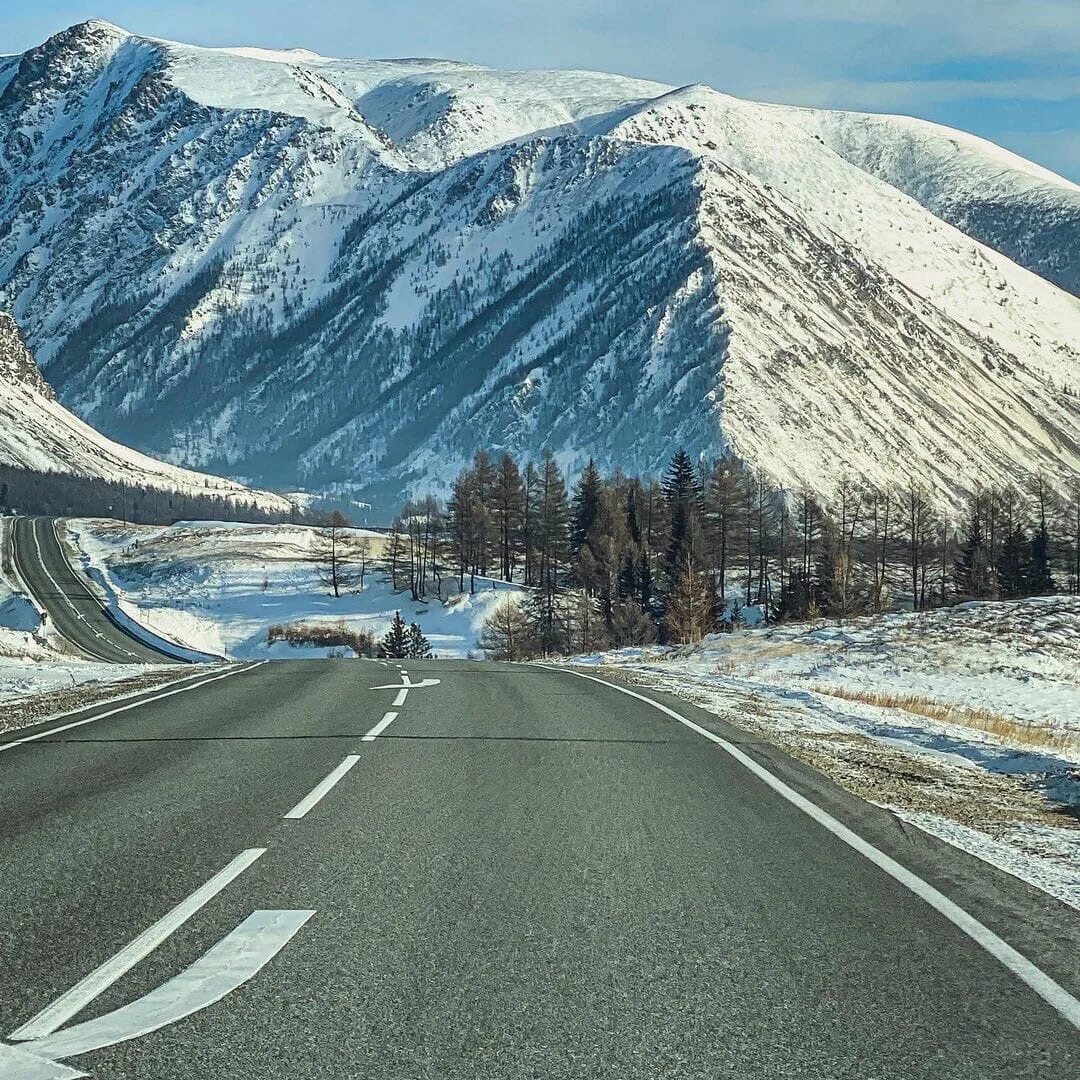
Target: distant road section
<point>71,607</point>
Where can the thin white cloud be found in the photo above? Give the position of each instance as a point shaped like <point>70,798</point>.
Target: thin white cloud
<point>914,94</point>
<point>944,28</point>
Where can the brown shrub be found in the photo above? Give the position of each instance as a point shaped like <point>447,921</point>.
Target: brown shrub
<point>1011,731</point>
<point>323,635</point>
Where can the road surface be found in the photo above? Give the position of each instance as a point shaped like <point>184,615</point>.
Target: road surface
<point>330,869</point>
<point>72,609</point>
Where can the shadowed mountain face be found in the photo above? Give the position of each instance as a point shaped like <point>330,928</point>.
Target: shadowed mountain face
<point>39,435</point>
<point>338,272</point>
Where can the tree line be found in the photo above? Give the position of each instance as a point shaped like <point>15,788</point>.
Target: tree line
<point>622,560</point>
<point>63,495</point>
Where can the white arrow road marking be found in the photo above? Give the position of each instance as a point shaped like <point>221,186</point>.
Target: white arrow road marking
<point>319,791</point>
<point>86,989</point>
<point>380,727</point>
<point>408,685</point>
<point>228,965</point>
<point>17,1063</point>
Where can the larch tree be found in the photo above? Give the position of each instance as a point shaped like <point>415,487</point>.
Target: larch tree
<point>689,609</point>
<point>508,513</point>
<point>333,554</point>
<point>507,633</point>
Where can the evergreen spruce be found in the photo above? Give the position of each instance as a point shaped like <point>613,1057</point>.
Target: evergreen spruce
<point>417,645</point>
<point>1014,564</point>
<point>681,496</point>
<point>1040,577</point>
<point>584,507</point>
<point>395,645</point>
<point>972,570</point>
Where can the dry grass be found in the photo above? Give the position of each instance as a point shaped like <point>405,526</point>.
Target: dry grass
<point>1010,731</point>
<point>323,635</point>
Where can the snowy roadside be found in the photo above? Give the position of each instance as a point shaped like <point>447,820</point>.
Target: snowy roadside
<point>219,587</point>
<point>964,722</point>
<point>39,678</point>
<point>30,694</point>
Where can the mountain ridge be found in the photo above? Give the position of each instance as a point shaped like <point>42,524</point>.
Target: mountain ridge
<point>438,256</point>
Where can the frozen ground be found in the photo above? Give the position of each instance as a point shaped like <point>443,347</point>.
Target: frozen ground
<point>219,587</point>
<point>964,721</point>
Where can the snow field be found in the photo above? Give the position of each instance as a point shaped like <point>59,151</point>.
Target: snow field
<point>219,587</point>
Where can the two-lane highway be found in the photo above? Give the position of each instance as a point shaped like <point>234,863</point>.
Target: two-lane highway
<point>459,870</point>
<point>73,609</point>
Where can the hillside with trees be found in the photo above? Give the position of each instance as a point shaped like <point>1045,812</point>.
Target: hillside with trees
<point>620,560</point>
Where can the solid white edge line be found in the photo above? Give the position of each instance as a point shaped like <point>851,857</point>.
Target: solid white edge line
<point>102,604</point>
<point>317,793</point>
<point>380,727</point>
<point>82,585</point>
<point>75,611</point>
<point>74,573</point>
<point>101,978</point>
<point>1053,993</point>
<point>399,698</point>
<point>128,706</point>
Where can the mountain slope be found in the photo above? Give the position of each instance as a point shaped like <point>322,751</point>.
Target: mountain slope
<point>38,433</point>
<point>353,273</point>
<point>1022,210</point>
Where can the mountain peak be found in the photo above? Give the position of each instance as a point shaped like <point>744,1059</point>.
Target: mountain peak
<point>95,30</point>
<point>17,364</point>
<point>334,272</point>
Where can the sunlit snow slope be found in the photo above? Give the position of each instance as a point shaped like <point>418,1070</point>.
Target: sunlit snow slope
<point>38,433</point>
<point>317,271</point>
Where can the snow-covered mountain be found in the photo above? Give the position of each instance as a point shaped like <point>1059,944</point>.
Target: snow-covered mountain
<point>38,433</point>
<point>317,271</point>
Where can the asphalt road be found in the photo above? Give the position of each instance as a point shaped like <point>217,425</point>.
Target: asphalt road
<point>525,874</point>
<point>73,610</point>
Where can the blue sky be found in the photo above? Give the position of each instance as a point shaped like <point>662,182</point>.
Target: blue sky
<point>1009,71</point>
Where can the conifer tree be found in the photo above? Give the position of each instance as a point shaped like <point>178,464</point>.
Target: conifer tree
<point>689,607</point>
<point>506,633</point>
<point>630,625</point>
<point>417,645</point>
<point>530,485</point>
<point>485,479</point>
<point>395,645</point>
<point>333,553</point>
<point>584,506</point>
<point>552,551</point>
<point>973,572</point>
<point>1014,564</point>
<point>508,511</point>
<point>1040,577</point>
<point>681,496</point>
<point>394,552</point>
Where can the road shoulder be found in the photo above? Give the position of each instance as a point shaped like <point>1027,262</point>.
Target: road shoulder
<point>1039,926</point>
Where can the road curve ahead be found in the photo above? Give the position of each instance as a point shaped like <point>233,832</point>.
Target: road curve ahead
<point>404,871</point>
<point>75,612</point>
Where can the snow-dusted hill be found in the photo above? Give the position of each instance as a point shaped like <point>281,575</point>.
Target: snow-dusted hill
<point>1013,205</point>
<point>38,433</point>
<point>353,272</point>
